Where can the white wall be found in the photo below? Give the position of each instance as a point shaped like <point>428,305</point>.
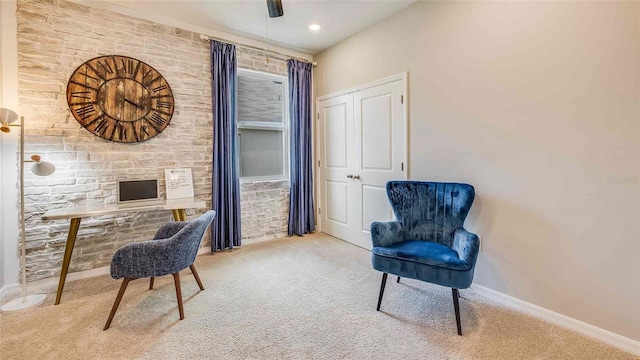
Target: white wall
<point>538,106</point>
<point>9,262</point>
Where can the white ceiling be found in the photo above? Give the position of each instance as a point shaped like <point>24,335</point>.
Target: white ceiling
<point>339,19</point>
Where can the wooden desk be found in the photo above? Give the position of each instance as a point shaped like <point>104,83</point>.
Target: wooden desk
<point>178,208</point>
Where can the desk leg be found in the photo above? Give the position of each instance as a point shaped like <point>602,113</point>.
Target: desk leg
<point>183,214</point>
<point>68,250</point>
<point>176,215</point>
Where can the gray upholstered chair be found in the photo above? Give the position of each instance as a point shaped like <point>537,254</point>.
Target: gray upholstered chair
<point>174,248</point>
<point>427,241</point>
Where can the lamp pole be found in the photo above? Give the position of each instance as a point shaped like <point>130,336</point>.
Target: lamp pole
<point>43,168</point>
<point>22,226</point>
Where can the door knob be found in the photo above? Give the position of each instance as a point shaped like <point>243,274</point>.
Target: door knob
<point>350,176</point>
<point>356,176</point>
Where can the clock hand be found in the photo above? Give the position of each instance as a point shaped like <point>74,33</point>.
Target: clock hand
<point>133,103</point>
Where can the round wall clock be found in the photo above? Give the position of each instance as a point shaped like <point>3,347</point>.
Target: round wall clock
<point>120,99</point>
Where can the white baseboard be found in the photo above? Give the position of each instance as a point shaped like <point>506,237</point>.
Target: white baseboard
<point>8,289</point>
<point>594,332</point>
<point>263,238</point>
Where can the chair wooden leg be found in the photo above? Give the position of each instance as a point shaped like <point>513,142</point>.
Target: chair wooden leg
<point>151,283</point>
<point>195,275</point>
<point>398,280</point>
<point>123,287</point>
<point>456,307</point>
<point>384,282</point>
<point>176,280</point>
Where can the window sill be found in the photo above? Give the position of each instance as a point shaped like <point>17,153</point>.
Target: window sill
<point>258,180</point>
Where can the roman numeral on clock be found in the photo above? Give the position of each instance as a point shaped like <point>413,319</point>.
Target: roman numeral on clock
<point>104,65</point>
<point>135,133</point>
<point>102,127</point>
<point>128,65</point>
<point>148,83</point>
<point>95,71</point>
<point>159,88</point>
<point>81,94</point>
<point>85,111</point>
<point>156,121</point>
<point>83,85</point>
<point>144,76</point>
<point>143,127</point>
<point>117,129</point>
<point>135,71</point>
<point>86,75</point>
<point>163,104</point>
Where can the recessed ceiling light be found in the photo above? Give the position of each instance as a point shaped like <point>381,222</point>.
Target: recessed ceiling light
<point>314,27</point>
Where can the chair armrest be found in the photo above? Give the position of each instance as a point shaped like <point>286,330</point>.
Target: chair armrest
<point>169,229</point>
<point>386,233</point>
<point>467,245</point>
<point>144,259</point>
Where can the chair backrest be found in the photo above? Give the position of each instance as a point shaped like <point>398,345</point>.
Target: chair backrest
<point>430,210</point>
<point>186,242</point>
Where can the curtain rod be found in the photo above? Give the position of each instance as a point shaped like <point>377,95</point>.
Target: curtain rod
<point>274,54</point>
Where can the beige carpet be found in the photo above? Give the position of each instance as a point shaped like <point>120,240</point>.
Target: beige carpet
<point>294,298</point>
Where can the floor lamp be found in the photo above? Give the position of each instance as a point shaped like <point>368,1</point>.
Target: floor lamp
<point>40,168</point>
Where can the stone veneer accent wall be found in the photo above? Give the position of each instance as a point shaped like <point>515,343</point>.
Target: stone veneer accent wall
<point>54,37</point>
<point>265,208</point>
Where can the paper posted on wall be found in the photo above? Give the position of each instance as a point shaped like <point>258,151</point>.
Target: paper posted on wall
<point>179,183</point>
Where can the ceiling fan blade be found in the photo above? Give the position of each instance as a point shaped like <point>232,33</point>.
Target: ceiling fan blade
<point>275,8</point>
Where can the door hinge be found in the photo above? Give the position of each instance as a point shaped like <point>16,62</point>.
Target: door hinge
<point>318,116</point>
<point>401,99</point>
<point>402,166</point>
<point>318,163</point>
<point>319,211</point>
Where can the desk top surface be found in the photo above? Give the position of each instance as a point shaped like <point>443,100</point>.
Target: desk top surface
<point>95,210</point>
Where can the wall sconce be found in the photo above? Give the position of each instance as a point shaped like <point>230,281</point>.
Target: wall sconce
<point>40,168</point>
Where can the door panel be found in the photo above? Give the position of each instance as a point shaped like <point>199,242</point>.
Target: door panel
<point>376,132</point>
<point>336,131</point>
<point>337,201</point>
<point>335,124</point>
<point>375,206</point>
<point>378,153</point>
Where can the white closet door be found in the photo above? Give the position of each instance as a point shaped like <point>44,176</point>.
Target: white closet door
<point>362,146</point>
<point>335,117</point>
<point>378,154</point>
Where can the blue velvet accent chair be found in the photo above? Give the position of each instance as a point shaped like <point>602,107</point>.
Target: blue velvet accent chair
<point>427,242</point>
<point>173,248</point>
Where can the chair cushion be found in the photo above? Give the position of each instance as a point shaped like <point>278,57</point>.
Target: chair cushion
<point>424,252</point>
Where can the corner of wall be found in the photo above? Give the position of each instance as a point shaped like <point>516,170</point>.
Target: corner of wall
<point>1,174</point>
<point>9,262</point>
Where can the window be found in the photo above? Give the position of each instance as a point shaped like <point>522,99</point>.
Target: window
<point>263,126</point>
